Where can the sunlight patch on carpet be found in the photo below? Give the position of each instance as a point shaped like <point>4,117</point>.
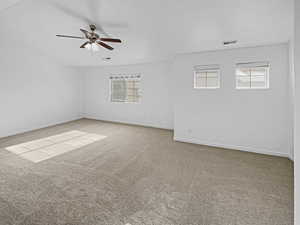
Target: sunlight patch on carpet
<point>49,147</point>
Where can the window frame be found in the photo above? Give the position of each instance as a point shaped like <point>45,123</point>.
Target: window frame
<point>125,77</point>
<point>251,66</point>
<point>206,69</point>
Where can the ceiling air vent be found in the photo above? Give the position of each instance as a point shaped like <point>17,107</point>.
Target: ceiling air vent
<point>229,42</point>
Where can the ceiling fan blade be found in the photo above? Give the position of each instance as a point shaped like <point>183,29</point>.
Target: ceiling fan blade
<point>68,36</point>
<point>111,40</point>
<point>86,33</point>
<point>83,46</point>
<point>105,45</point>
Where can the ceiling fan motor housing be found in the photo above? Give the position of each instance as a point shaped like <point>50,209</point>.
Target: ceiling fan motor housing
<point>94,37</point>
<point>92,27</point>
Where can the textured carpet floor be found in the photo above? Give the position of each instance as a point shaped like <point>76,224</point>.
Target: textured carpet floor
<point>139,175</point>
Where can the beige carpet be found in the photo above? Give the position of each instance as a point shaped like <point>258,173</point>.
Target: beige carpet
<point>116,174</point>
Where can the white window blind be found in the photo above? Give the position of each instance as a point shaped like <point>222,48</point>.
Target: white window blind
<point>252,75</point>
<point>207,77</point>
<point>125,88</point>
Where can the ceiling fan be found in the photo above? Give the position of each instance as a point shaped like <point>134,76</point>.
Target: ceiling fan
<point>93,39</point>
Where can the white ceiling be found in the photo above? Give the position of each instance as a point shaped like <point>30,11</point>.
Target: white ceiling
<point>150,30</point>
<point>5,4</point>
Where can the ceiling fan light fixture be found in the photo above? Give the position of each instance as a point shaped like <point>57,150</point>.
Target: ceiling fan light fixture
<point>88,46</point>
<point>95,47</point>
<point>92,47</point>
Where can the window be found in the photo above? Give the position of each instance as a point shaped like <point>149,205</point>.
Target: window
<point>125,89</point>
<point>207,77</point>
<point>252,75</point>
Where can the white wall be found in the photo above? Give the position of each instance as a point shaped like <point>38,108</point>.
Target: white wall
<point>34,91</point>
<point>291,90</point>
<point>155,108</point>
<point>297,113</point>
<point>250,120</point>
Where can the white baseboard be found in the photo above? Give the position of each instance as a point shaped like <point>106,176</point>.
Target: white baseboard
<point>24,130</point>
<point>128,122</point>
<point>291,157</point>
<point>233,147</point>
